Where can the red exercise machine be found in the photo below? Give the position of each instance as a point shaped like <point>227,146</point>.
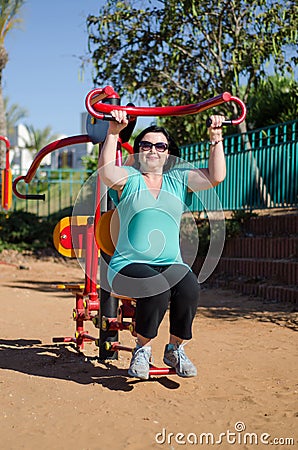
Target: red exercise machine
<point>87,236</point>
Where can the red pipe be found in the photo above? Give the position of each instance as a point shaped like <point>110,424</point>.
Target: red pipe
<point>100,110</point>
<point>80,139</point>
<point>72,140</point>
<point>127,147</point>
<point>102,93</point>
<point>7,178</point>
<point>80,321</point>
<point>91,246</point>
<point>91,262</point>
<point>243,110</point>
<point>161,371</point>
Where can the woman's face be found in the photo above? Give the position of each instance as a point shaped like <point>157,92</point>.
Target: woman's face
<point>153,159</point>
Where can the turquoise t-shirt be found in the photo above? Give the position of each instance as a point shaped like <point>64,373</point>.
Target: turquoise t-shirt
<point>149,226</point>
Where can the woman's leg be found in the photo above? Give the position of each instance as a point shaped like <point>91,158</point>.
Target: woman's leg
<point>183,307</point>
<point>152,306</point>
<point>150,310</point>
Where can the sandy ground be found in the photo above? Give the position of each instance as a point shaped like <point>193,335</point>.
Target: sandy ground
<point>53,398</point>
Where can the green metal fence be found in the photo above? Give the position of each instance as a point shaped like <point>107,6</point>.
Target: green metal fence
<point>262,170</point>
<point>60,188</point>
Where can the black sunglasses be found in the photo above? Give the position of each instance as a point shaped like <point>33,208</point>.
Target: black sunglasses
<point>160,146</point>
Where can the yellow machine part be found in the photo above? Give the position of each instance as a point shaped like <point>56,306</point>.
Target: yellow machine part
<point>6,189</point>
<point>107,230</point>
<point>69,236</point>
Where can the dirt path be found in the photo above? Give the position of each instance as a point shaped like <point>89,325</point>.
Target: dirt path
<point>53,398</point>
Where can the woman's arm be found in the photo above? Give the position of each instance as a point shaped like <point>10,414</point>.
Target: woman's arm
<point>200,179</point>
<point>112,175</point>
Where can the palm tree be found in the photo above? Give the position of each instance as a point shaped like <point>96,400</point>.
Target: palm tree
<point>13,113</point>
<point>9,10</point>
<point>37,139</point>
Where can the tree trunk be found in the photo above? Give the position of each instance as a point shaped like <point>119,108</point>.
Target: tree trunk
<point>3,126</point>
<point>3,131</point>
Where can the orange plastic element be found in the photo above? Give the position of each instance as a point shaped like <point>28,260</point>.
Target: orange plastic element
<point>69,236</point>
<point>106,231</point>
<point>74,287</point>
<point>6,189</point>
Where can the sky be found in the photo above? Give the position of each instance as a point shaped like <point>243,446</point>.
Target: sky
<point>43,71</point>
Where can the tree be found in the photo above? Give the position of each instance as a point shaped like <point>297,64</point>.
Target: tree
<point>13,113</point>
<point>183,51</point>
<point>37,139</point>
<point>9,10</point>
<point>273,100</point>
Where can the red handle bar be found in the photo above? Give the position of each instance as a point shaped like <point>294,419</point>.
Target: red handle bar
<point>6,142</point>
<point>102,111</point>
<point>80,139</point>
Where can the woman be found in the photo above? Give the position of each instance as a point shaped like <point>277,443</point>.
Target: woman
<point>150,197</point>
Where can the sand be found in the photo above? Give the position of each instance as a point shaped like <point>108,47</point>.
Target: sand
<point>54,398</point>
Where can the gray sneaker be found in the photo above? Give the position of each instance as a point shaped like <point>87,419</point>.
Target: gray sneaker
<point>174,356</point>
<point>140,363</point>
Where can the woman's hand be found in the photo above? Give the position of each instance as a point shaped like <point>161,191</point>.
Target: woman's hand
<point>215,129</point>
<point>120,122</point>
<point>111,174</point>
<point>205,178</point>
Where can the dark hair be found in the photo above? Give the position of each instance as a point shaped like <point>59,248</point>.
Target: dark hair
<point>174,150</point>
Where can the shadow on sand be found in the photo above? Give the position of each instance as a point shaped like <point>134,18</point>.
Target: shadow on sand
<point>64,362</point>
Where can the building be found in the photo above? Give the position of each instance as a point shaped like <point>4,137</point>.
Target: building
<point>66,157</point>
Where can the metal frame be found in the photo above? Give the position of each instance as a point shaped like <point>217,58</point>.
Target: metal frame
<point>103,310</point>
<point>6,178</point>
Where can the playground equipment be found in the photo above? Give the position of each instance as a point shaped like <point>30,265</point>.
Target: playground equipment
<point>87,236</point>
<point>6,188</point>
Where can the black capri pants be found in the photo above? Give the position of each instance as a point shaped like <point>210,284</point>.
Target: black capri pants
<point>154,287</point>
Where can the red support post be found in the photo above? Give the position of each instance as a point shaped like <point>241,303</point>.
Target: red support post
<point>6,178</point>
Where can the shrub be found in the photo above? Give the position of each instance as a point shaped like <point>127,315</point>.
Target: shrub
<point>22,230</point>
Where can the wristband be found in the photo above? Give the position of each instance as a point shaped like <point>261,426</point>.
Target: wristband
<point>213,143</point>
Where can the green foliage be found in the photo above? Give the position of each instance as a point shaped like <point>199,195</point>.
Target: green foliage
<point>175,52</point>
<point>38,138</point>
<point>58,174</point>
<point>14,113</point>
<point>204,236</point>
<point>273,100</point>
<point>9,10</point>
<point>21,230</point>
<point>90,161</point>
<point>234,226</point>
<point>25,231</point>
<point>188,229</point>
